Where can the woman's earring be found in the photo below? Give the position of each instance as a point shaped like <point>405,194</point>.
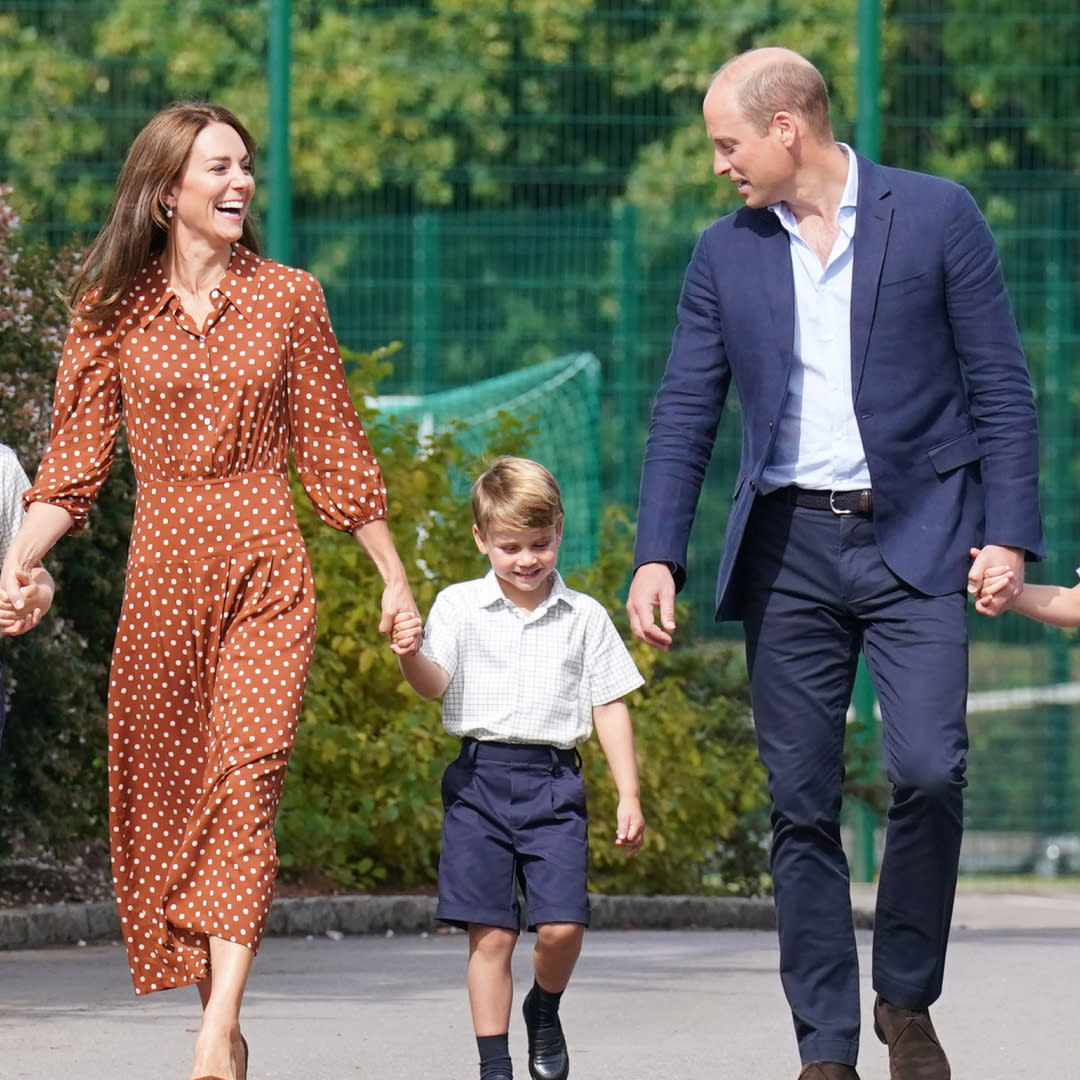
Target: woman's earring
<point>168,213</point>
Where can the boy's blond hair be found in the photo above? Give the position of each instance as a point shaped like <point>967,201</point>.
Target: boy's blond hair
<point>516,493</point>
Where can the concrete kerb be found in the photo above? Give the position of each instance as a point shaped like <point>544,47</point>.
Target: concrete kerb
<point>42,925</point>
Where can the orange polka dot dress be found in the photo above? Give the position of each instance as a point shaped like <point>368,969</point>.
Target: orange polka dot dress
<point>218,621</point>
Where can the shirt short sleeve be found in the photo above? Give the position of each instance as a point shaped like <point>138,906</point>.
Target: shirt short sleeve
<point>441,637</point>
<point>13,484</point>
<point>611,670</point>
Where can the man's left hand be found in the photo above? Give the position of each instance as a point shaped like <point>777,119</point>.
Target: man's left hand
<point>996,577</point>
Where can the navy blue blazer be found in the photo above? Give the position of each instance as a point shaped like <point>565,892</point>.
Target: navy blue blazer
<point>941,390</point>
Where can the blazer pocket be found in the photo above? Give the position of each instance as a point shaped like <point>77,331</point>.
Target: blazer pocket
<point>900,277</point>
<point>951,454</point>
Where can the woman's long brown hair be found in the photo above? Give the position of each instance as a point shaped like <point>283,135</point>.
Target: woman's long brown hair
<point>137,227</point>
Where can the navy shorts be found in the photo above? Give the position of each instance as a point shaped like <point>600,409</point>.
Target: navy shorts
<point>514,815</point>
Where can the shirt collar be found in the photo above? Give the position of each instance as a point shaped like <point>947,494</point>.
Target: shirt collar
<point>237,286</point>
<point>849,198</point>
<point>491,594</point>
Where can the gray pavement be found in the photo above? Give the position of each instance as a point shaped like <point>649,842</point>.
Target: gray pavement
<point>698,1004</point>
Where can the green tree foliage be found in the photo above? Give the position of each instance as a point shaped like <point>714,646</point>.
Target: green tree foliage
<point>429,103</point>
<point>999,80</point>
<point>52,768</point>
<point>481,104</point>
<point>361,804</point>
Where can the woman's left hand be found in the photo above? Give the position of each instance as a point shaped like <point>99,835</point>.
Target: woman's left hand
<point>396,597</point>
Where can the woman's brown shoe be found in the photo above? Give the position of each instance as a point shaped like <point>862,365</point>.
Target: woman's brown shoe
<point>243,1075</point>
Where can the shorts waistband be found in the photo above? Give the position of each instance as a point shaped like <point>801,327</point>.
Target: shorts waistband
<point>520,753</point>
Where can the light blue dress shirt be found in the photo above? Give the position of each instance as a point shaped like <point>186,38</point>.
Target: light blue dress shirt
<point>818,445</point>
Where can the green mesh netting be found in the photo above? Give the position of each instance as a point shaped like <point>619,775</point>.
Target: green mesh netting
<point>560,401</point>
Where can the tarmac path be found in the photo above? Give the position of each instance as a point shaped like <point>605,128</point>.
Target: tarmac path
<point>644,1005</point>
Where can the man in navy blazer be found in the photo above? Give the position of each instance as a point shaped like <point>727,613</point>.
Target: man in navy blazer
<point>888,428</point>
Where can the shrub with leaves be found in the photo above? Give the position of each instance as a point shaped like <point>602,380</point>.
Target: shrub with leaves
<point>361,803</point>
<point>361,806</point>
<point>702,787</point>
<point>52,764</point>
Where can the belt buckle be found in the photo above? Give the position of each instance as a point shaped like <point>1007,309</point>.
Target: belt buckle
<point>835,509</point>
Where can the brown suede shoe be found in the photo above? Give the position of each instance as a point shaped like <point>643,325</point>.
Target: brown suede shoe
<point>914,1050</point>
<point>828,1070</point>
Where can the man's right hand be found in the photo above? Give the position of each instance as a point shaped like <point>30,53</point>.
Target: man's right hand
<point>653,587</point>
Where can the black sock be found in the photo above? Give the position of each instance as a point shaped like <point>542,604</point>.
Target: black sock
<point>544,1005</point>
<point>494,1056</point>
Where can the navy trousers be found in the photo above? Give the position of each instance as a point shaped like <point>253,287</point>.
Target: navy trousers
<point>815,591</point>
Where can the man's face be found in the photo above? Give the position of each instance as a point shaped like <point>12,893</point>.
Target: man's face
<point>759,165</point>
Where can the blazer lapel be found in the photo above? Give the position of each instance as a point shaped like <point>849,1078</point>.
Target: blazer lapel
<point>873,221</point>
<point>778,284</point>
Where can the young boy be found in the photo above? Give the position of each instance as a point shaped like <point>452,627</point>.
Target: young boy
<point>527,668</point>
<point>37,585</point>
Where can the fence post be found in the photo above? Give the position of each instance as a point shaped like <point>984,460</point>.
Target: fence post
<point>868,142</point>
<point>426,302</point>
<point>868,80</point>
<point>627,333</point>
<point>864,735</point>
<point>1055,420</point>
<point>279,216</point>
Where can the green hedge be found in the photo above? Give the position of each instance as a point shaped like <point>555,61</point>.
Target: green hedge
<point>52,763</point>
<point>361,803</point>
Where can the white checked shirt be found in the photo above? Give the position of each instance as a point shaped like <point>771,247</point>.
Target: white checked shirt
<point>525,676</point>
<point>13,482</point>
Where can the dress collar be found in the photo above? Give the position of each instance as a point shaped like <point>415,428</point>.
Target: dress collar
<point>238,286</point>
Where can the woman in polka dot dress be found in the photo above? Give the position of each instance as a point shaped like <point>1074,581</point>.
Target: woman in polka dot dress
<point>218,360</point>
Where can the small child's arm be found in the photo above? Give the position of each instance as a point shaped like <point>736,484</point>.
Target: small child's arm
<point>1053,604</point>
<point>613,729</point>
<point>426,677</point>
<point>36,588</point>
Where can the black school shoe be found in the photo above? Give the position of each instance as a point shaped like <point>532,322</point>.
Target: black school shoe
<point>548,1057</point>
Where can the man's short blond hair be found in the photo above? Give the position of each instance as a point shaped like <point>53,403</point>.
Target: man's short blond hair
<point>789,83</point>
<point>516,493</point>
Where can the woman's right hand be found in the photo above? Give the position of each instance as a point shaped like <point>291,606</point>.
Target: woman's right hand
<point>22,572</point>
<point>13,580</point>
<point>32,598</point>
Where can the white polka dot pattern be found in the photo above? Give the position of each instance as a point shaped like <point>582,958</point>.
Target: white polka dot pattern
<point>218,621</point>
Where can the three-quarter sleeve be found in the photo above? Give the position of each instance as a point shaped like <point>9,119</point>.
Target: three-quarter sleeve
<point>336,466</point>
<point>86,417</point>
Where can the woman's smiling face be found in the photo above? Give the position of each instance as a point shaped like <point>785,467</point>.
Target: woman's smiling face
<point>216,185</point>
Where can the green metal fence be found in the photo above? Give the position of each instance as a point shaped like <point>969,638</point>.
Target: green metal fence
<point>497,184</point>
